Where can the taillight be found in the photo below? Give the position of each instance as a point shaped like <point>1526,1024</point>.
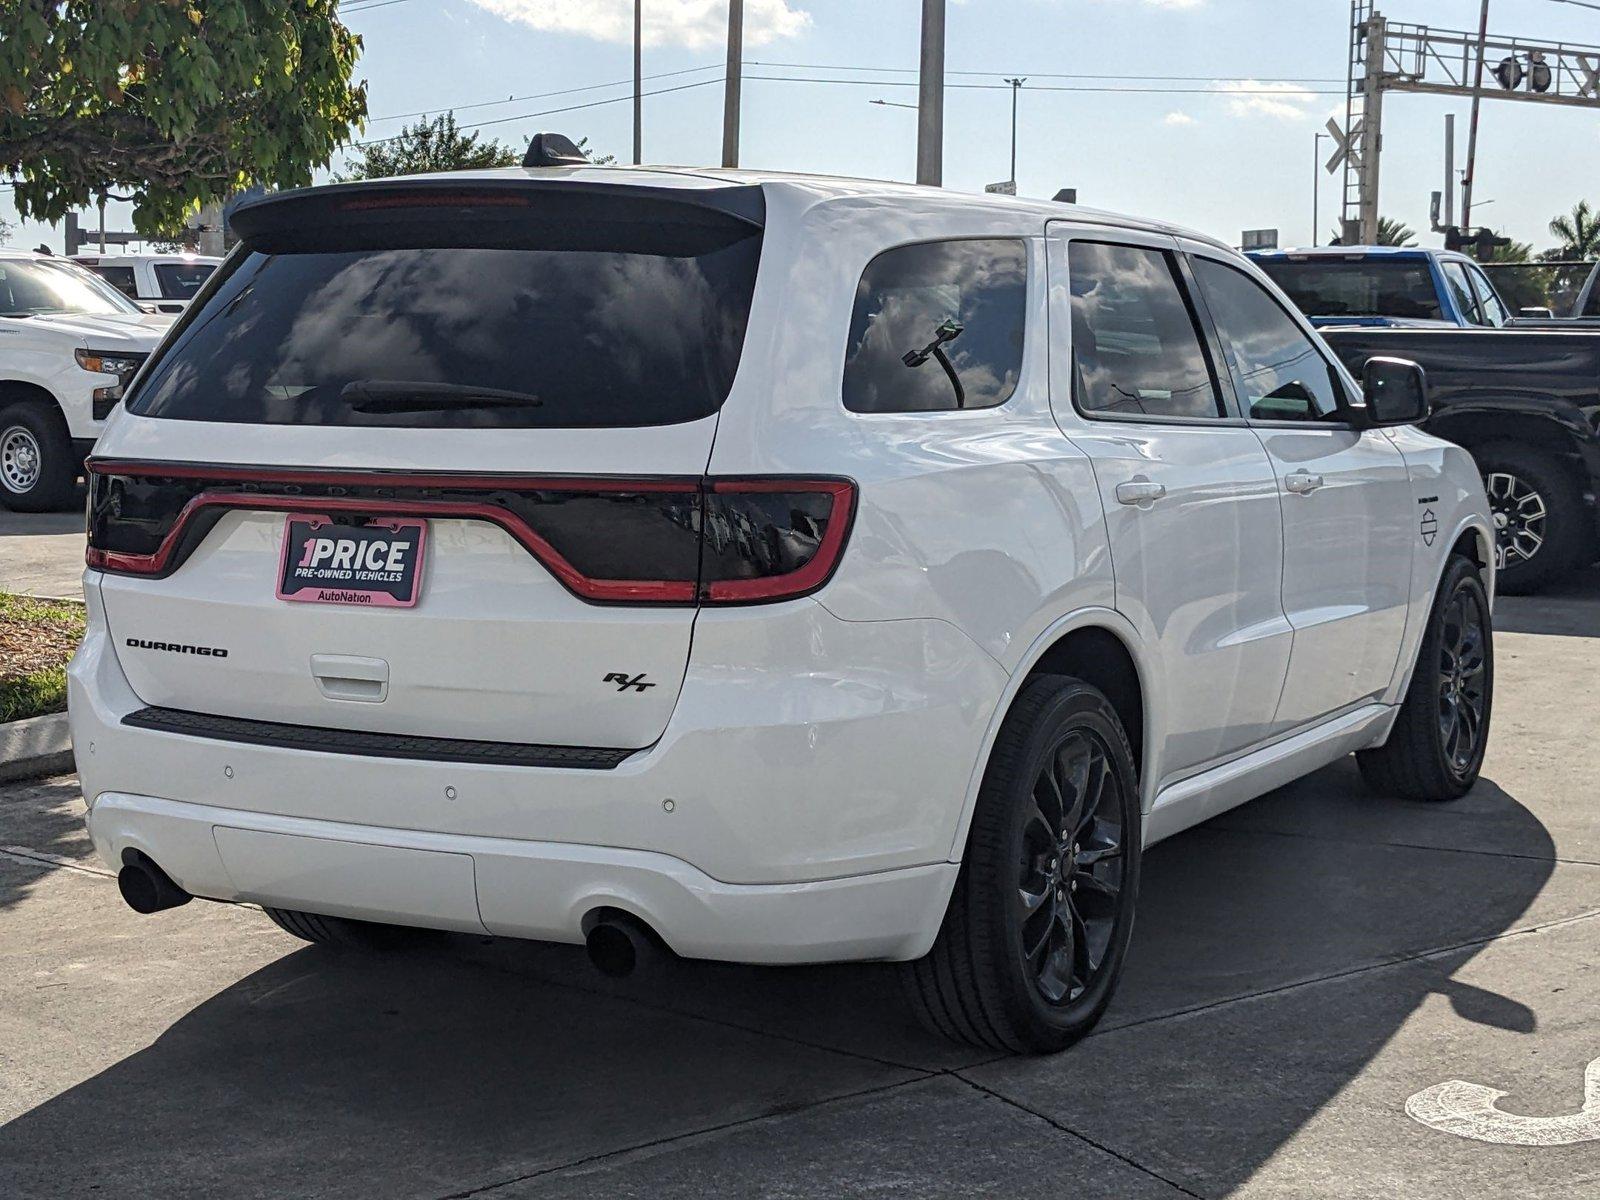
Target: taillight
<point>772,539</point>
<point>608,541</point>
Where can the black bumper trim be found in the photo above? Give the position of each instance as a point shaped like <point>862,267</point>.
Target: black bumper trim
<point>373,745</point>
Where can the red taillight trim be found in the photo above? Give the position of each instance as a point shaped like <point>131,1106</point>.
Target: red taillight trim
<point>807,579</point>
<point>665,591</point>
<point>817,571</point>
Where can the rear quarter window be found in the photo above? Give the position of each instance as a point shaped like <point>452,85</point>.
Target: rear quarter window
<point>938,326</point>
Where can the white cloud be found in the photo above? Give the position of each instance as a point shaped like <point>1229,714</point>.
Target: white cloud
<point>1180,119</point>
<point>696,24</point>
<point>1255,98</point>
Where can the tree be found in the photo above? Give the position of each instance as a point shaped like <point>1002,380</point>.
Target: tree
<point>437,145</point>
<point>428,146</point>
<point>1579,232</point>
<point>177,102</point>
<point>1390,233</point>
<point>1395,233</point>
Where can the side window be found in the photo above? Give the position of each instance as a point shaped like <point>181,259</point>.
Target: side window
<point>1135,348</point>
<point>1489,302</point>
<point>938,326</point>
<point>1283,374</point>
<point>1455,276</point>
<point>120,278</point>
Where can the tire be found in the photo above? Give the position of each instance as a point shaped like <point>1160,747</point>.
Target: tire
<point>1533,498</point>
<point>339,932</point>
<point>979,984</point>
<point>38,471</point>
<point>1421,760</point>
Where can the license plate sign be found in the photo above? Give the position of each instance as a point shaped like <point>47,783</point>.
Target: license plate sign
<point>377,565</point>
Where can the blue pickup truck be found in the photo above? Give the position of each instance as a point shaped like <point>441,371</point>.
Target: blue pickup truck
<point>1522,394</point>
<point>1407,286</point>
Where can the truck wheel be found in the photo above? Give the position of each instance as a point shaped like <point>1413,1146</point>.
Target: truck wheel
<point>1435,749</point>
<point>37,468</point>
<point>339,932</point>
<point>1039,922</point>
<point>1540,520</point>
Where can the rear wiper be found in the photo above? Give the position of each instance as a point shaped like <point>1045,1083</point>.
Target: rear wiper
<point>402,395</point>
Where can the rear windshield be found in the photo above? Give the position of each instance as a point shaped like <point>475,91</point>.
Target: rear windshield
<point>1371,288</point>
<point>563,315</point>
<point>180,281</point>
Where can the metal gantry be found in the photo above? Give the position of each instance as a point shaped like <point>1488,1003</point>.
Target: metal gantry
<point>1390,56</point>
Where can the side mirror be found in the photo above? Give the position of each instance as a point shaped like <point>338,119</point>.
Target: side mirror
<point>1396,392</point>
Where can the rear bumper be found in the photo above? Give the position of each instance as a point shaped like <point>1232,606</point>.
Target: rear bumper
<point>800,806</point>
<point>539,890</point>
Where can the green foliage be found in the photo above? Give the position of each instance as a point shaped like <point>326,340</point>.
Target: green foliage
<point>34,681</point>
<point>1395,233</point>
<point>438,145</point>
<point>426,147</point>
<point>175,101</point>
<point>1579,232</point>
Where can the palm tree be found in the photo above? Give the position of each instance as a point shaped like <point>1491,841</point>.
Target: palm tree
<point>1395,233</point>
<point>1579,232</point>
<point>1390,233</point>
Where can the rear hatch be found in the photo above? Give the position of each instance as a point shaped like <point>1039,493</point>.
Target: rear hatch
<point>427,458</point>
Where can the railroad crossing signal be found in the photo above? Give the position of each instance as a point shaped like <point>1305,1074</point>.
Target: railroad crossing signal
<point>1387,56</point>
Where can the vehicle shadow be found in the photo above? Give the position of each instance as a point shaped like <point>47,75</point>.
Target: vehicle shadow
<point>68,520</point>
<point>1570,607</point>
<point>467,1062</point>
<point>43,821</point>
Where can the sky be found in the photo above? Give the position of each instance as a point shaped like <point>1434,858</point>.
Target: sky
<point>1230,149</point>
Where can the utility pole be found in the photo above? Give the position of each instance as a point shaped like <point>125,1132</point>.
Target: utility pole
<point>1449,169</point>
<point>1472,124</point>
<point>734,78</point>
<point>1016,86</point>
<point>1372,129</point>
<point>1316,182</point>
<point>638,82</point>
<point>930,97</point>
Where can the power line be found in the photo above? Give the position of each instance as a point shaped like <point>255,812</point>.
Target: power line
<point>1002,87</point>
<point>1578,4</point>
<point>1036,74</point>
<point>368,6</point>
<point>593,87</point>
<point>682,87</point>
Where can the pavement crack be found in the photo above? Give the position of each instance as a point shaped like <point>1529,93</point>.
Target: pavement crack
<point>671,1139</point>
<point>23,854</point>
<point>1071,1132</point>
<point>1399,960</point>
<point>1352,841</point>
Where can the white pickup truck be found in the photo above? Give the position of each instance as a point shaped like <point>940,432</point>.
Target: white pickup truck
<point>69,343</point>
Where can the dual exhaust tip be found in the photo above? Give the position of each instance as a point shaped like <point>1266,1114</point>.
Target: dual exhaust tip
<point>617,942</point>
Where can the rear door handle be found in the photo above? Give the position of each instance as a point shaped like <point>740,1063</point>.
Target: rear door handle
<point>1140,490</point>
<point>1302,483</point>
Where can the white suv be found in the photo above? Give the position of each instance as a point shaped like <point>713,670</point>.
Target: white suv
<point>781,569</point>
<point>163,283</point>
<point>69,343</point>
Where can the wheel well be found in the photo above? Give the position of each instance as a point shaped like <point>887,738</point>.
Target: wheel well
<point>1098,657</point>
<point>1472,430</point>
<point>14,391</point>
<point>1471,547</point>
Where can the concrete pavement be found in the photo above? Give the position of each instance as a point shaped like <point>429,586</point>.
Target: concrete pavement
<point>1302,966</point>
<point>41,554</point>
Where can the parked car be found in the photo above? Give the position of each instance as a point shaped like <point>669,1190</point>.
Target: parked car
<point>774,568</point>
<point>69,343</point>
<point>1520,394</point>
<point>157,282</point>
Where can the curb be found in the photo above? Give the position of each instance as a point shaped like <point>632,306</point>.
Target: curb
<point>35,747</point>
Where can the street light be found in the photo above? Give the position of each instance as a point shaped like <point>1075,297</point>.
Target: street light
<point>1316,183</point>
<point>1016,86</point>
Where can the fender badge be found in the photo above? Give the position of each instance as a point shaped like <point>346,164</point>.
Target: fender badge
<point>1430,527</point>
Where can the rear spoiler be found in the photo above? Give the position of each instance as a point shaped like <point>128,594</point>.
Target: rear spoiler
<point>502,209</point>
